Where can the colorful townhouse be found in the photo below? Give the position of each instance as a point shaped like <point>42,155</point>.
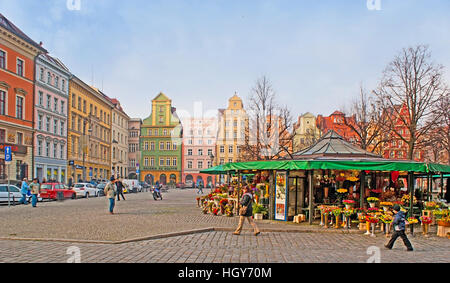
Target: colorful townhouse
<point>199,150</point>
<point>134,153</point>
<point>50,114</point>
<point>119,145</point>
<point>89,134</point>
<point>17,75</point>
<point>306,132</point>
<point>339,123</point>
<point>160,144</point>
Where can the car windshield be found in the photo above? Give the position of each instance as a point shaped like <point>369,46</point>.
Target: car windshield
<point>46,187</point>
<point>79,185</point>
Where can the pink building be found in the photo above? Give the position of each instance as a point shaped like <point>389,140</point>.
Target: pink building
<point>199,140</point>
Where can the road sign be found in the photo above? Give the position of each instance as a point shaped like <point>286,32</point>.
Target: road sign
<point>8,154</point>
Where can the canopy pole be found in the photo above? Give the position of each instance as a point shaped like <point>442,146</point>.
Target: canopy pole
<point>310,198</point>
<point>411,198</point>
<point>362,186</point>
<point>442,185</point>
<point>430,186</point>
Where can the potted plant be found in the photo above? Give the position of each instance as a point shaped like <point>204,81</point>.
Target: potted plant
<point>372,201</point>
<point>259,211</point>
<point>386,205</point>
<point>426,221</point>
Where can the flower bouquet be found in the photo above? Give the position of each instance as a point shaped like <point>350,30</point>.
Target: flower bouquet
<point>412,221</point>
<point>372,201</point>
<point>337,212</point>
<point>229,210</point>
<point>406,199</point>
<point>439,214</point>
<point>215,211</point>
<point>426,221</point>
<point>387,219</point>
<point>349,203</point>
<point>431,205</point>
<point>352,179</point>
<point>371,220</point>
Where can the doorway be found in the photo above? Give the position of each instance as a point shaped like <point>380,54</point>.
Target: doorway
<point>297,196</point>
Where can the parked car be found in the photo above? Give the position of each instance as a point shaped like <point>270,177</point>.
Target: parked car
<point>85,190</point>
<point>52,190</point>
<point>101,188</point>
<point>14,195</point>
<point>180,186</point>
<point>189,184</point>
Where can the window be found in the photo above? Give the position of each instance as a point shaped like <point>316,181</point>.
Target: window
<point>200,152</point>
<point>55,106</point>
<point>209,142</point>
<point>190,142</point>
<point>150,132</point>
<point>2,59</point>
<point>161,146</point>
<point>41,98</point>
<point>62,129</point>
<point>174,162</point>
<point>2,135</point>
<point>62,152</point>
<point>145,145</point>
<point>209,164</point>
<point>161,162</point>
<point>146,161</point>
<point>230,160</point>
<point>189,164</point>
<point>200,142</point>
<point>62,107</point>
<point>165,132</point>
<point>190,152</point>
<point>47,124</point>
<point>161,119</point>
<point>19,138</point>
<point>63,85</point>
<point>161,109</point>
<point>200,164</point>
<point>152,146</point>
<point>55,149</point>
<point>152,161</point>
<point>55,127</point>
<point>84,106</point>
<point>168,162</point>
<point>20,66</point>
<point>19,107</point>
<point>230,149</point>
<point>57,82</point>
<point>174,146</point>
<point>2,102</point>
<point>39,149</point>
<point>49,78</point>
<point>47,149</point>
<point>74,98</point>
<point>90,109</point>
<point>39,122</point>
<point>79,103</point>
<point>167,145</point>
<point>222,149</point>
<point>210,152</point>
<point>49,102</point>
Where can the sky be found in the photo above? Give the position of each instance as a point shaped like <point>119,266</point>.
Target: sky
<point>315,53</point>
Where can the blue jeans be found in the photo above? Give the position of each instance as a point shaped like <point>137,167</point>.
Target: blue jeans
<point>34,200</point>
<point>112,203</point>
<point>24,199</point>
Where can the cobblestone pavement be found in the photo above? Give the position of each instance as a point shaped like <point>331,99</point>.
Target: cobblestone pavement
<point>141,216</point>
<point>223,247</point>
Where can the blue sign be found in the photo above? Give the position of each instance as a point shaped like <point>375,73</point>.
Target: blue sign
<point>138,171</point>
<point>8,154</point>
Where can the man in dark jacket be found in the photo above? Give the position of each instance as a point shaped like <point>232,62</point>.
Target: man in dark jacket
<point>399,229</point>
<point>246,201</point>
<point>120,187</point>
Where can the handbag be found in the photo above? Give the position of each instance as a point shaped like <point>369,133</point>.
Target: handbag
<point>243,210</point>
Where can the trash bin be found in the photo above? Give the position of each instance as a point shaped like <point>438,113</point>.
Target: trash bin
<point>59,196</point>
<point>134,190</point>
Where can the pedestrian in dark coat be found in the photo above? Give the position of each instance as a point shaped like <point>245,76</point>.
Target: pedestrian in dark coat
<point>246,201</point>
<point>399,224</point>
<point>120,187</point>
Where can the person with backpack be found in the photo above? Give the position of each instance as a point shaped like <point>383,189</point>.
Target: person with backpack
<point>246,212</point>
<point>110,193</point>
<point>399,224</point>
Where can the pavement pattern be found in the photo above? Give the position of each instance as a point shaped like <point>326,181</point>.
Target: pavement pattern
<point>141,216</point>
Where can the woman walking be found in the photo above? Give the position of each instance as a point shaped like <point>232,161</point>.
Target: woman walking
<point>246,212</point>
<point>35,188</point>
<point>110,193</point>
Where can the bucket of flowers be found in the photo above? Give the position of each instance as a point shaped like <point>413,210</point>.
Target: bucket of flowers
<point>387,220</point>
<point>372,220</point>
<point>349,203</point>
<point>386,205</point>
<point>341,194</point>
<point>411,221</point>
<point>431,205</point>
<point>337,212</point>
<point>406,200</point>
<point>372,201</point>
<point>426,221</point>
<point>229,210</point>
<point>348,212</point>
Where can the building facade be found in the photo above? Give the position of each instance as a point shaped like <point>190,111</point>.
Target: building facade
<point>17,73</point>
<point>119,146</point>
<point>306,132</point>
<point>160,144</point>
<point>339,123</point>
<point>89,134</point>
<point>232,130</point>
<point>50,114</point>
<point>199,149</point>
<point>134,153</point>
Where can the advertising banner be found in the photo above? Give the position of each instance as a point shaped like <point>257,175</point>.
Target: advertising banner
<point>280,196</point>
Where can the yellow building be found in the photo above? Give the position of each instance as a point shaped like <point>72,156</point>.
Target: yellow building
<point>89,133</point>
<point>233,127</point>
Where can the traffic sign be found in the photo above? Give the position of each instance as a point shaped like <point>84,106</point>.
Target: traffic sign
<point>8,154</point>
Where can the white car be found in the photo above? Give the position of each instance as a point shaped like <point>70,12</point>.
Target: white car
<point>85,190</point>
<point>14,193</point>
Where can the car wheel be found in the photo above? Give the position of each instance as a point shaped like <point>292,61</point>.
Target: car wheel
<point>74,196</point>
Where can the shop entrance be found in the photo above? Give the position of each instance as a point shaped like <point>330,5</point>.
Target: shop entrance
<point>297,199</point>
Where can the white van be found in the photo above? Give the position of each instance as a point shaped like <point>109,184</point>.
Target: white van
<point>132,184</point>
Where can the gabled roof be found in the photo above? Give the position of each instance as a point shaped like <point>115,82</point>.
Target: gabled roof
<point>333,145</point>
<point>9,26</point>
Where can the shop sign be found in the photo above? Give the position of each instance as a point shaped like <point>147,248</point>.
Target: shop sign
<point>280,196</point>
<point>14,148</point>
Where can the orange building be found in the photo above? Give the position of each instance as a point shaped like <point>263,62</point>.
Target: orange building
<point>17,64</point>
<point>338,123</point>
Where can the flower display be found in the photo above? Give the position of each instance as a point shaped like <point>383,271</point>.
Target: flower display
<point>215,211</point>
<point>348,212</point>
<point>337,212</point>
<point>372,209</point>
<point>406,200</point>
<point>372,219</point>
<point>412,220</point>
<point>426,220</point>
<point>386,204</point>
<point>372,200</point>
<point>441,213</point>
<point>342,191</point>
<point>352,179</point>
<point>349,201</point>
<point>431,205</point>
<point>386,218</point>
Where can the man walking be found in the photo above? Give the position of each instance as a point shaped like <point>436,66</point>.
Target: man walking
<point>35,191</point>
<point>200,188</point>
<point>120,187</point>
<point>110,193</point>
<point>399,229</point>
<point>24,191</point>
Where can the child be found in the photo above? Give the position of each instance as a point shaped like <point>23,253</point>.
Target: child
<point>399,229</point>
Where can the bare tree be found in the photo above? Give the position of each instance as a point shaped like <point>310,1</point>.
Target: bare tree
<point>367,122</point>
<point>269,132</point>
<point>437,141</point>
<point>409,91</point>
